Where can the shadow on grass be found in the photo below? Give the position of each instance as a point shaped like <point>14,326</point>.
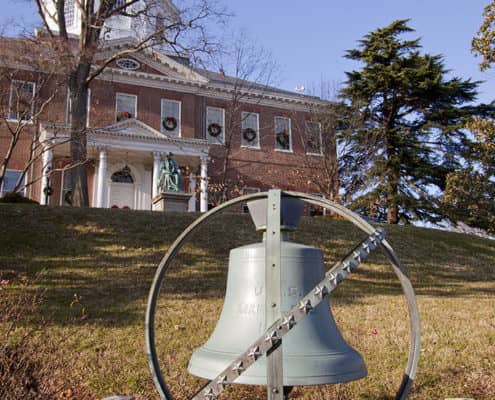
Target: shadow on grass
<point>107,258</point>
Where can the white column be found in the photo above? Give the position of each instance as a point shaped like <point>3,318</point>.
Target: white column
<point>192,189</point>
<point>47,159</point>
<point>156,174</point>
<point>203,198</point>
<point>102,175</point>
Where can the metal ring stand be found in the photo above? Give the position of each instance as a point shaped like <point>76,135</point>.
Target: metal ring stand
<point>414,346</point>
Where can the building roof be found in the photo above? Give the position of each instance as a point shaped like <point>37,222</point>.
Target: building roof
<point>167,72</point>
<point>229,82</point>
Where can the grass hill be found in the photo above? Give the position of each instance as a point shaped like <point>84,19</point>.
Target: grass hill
<point>74,285</point>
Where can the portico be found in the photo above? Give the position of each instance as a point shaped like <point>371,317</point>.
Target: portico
<point>126,158</point>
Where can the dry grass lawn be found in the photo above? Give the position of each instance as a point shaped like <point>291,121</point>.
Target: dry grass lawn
<point>78,282</point>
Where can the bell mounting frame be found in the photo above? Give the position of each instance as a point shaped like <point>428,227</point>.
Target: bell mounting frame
<point>270,341</point>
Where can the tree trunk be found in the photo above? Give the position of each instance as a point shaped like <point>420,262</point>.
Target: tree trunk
<point>392,192</point>
<point>333,181</point>
<point>5,161</point>
<point>78,142</point>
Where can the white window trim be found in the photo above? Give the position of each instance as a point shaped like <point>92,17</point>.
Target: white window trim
<point>218,142</point>
<point>320,154</point>
<point>62,180</point>
<point>117,94</point>
<point>244,115</point>
<point>23,191</point>
<point>290,150</point>
<point>23,121</point>
<point>250,190</point>
<point>179,122</point>
<point>122,61</point>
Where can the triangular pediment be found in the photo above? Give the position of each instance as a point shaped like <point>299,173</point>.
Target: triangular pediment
<point>133,128</point>
<point>137,135</point>
<point>150,61</point>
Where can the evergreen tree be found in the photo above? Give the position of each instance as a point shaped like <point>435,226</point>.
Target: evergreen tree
<point>470,193</point>
<point>412,133</point>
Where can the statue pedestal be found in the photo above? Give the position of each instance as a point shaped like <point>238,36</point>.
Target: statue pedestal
<point>171,201</point>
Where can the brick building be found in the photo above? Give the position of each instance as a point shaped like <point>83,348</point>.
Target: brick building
<point>147,105</point>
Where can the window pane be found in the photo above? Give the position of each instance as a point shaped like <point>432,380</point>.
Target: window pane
<point>215,129</point>
<point>249,130</point>
<point>170,117</point>
<point>313,137</point>
<point>123,176</point>
<point>69,12</point>
<point>126,106</point>
<point>67,181</point>
<point>67,188</point>
<point>282,134</point>
<point>21,100</point>
<point>10,180</point>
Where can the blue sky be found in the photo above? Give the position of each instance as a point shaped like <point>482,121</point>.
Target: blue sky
<point>308,39</point>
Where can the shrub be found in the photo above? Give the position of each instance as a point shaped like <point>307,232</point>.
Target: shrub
<point>16,197</point>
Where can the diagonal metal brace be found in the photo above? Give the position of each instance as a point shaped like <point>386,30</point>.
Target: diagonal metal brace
<point>272,336</point>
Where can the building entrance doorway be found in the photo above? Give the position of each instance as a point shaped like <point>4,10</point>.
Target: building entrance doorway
<point>122,189</point>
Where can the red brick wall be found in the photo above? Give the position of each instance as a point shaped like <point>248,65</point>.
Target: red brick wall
<point>265,167</point>
<point>103,96</point>
<point>261,168</point>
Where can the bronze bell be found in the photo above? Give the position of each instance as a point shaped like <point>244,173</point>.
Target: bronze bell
<point>314,352</point>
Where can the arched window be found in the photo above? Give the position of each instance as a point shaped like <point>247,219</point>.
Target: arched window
<point>123,176</point>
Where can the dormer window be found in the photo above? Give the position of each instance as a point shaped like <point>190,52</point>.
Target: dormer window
<point>128,63</point>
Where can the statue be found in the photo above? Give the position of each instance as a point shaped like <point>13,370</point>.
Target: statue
<point>170,175</point>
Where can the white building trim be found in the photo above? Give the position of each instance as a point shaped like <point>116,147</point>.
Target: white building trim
<point>265,97</point>
<point>203,197</point>
<point>47,159</point>
<point>132,135</point>
<point>101,177</point>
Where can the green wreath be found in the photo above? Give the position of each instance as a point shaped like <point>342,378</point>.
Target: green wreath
<point>313,146</point>
<point>123,115</point>
<point>214,129</point>
<point>169,123</point>
<point>283,139</point>
<point>249,134</point>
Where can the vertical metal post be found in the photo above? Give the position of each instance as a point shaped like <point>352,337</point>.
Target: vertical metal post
<point>274,359</point>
